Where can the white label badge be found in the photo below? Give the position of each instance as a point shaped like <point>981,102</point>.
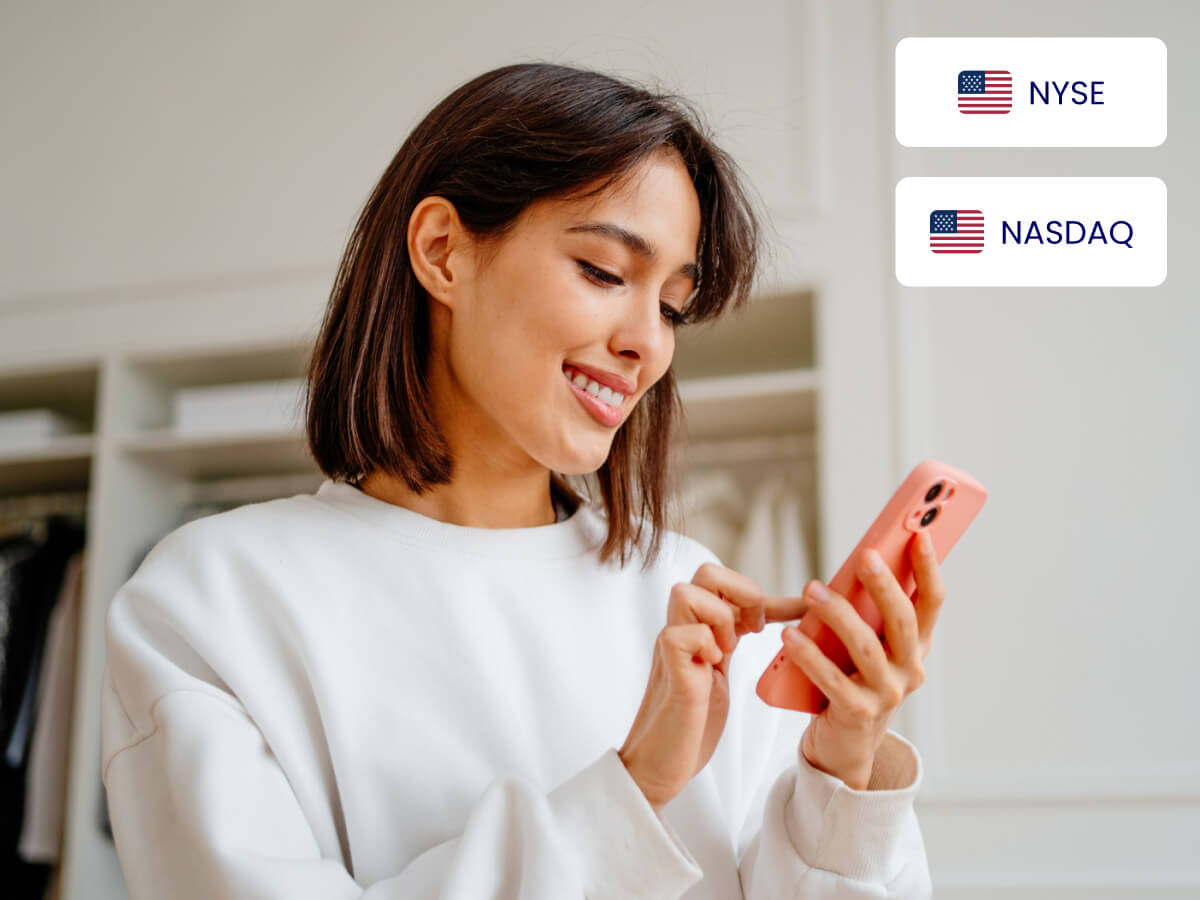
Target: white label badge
<point>1031,92</point>
<point>988,232</point>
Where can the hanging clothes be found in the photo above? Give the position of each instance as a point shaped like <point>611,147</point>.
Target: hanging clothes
<point>46,779</point>
<point>31,576</point>
<point>772,549</point>
<point>713,512</point>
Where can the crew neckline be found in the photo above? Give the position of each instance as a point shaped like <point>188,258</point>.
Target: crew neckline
<point>580,532</point>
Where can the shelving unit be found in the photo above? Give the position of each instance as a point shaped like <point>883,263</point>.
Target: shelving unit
<point>750,392</point>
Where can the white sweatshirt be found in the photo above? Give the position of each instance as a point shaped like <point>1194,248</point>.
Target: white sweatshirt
<point>330,696</point>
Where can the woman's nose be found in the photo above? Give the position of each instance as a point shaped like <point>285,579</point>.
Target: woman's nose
<point>641,332</point>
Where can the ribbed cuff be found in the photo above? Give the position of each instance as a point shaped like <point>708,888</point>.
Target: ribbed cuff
<point>624,850</point>
<point>862,835</point>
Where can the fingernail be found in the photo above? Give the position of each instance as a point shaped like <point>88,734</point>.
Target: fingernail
<point>874,562</point>
<point>926,542</point>
<point>817,592</point>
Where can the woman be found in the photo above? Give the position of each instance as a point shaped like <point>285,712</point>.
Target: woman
<point>423,680</point>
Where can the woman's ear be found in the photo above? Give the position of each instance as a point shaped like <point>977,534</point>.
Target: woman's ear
<point>439,248</point>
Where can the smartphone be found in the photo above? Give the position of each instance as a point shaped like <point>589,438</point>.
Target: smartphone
<point>934,497</point>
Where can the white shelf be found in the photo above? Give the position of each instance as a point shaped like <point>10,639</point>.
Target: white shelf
<point>717,407</point>
<point>220,455</point>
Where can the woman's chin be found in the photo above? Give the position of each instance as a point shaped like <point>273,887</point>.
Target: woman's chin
<point>583,461</point>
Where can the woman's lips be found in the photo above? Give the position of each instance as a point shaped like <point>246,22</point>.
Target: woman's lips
<point>599,410</point>
<point>612,380</point>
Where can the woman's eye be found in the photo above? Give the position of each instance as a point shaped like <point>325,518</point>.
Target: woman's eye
<point>598,274</point>
<point>672,315</point>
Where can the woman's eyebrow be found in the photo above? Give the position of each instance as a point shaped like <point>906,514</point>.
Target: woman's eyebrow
<point>634,242</point>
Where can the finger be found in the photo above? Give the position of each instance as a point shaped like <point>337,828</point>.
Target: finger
<point>899,616</point>
<point>784,609</point>
<point>735,588</point>
<point>756,609</point>
<point>690,603</point>
<point>692,643</point>
<point>858,637</point>
<point>931,591</point>
<point>821,670</point>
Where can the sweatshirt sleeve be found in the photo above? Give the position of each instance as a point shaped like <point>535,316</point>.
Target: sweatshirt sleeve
<point>201,806</point>
<point>807,834</point>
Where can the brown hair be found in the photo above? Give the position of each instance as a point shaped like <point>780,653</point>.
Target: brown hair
<point>517,134</point>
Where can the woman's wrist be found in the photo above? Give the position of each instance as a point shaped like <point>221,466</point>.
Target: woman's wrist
<point>854,772</point>
<point>856,778</point>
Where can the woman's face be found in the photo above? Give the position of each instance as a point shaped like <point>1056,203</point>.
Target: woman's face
<point>581,291</point>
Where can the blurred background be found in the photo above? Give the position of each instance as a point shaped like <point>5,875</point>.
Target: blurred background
<point>177,185</point>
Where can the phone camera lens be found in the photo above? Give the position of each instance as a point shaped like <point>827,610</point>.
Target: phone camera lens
<point>929,516</point>
<point>932,493</point>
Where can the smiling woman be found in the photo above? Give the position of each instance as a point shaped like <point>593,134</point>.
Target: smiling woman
<point>414,681</point>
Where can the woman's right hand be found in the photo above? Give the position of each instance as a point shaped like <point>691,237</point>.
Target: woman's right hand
<point>686,702</point>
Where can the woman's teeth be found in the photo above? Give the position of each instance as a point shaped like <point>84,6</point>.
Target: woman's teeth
<point>605,393</point>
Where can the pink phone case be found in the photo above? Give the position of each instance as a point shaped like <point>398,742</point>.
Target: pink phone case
<point>934,497</point>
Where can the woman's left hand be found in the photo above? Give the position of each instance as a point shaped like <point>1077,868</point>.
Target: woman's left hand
<point>844,737</point>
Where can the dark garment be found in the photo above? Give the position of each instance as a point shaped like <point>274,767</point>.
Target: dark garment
<point>31,574</point>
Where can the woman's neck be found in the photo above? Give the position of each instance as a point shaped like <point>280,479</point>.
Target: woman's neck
<point>527,504</point>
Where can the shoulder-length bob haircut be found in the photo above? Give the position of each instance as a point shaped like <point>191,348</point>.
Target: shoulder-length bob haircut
<point>505,139</point>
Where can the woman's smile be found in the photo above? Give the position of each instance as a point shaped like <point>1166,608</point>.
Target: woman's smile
<point>604,404</point>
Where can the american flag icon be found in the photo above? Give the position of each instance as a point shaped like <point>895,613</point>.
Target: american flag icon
<point>983,92</point>
<point>956,231</point>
